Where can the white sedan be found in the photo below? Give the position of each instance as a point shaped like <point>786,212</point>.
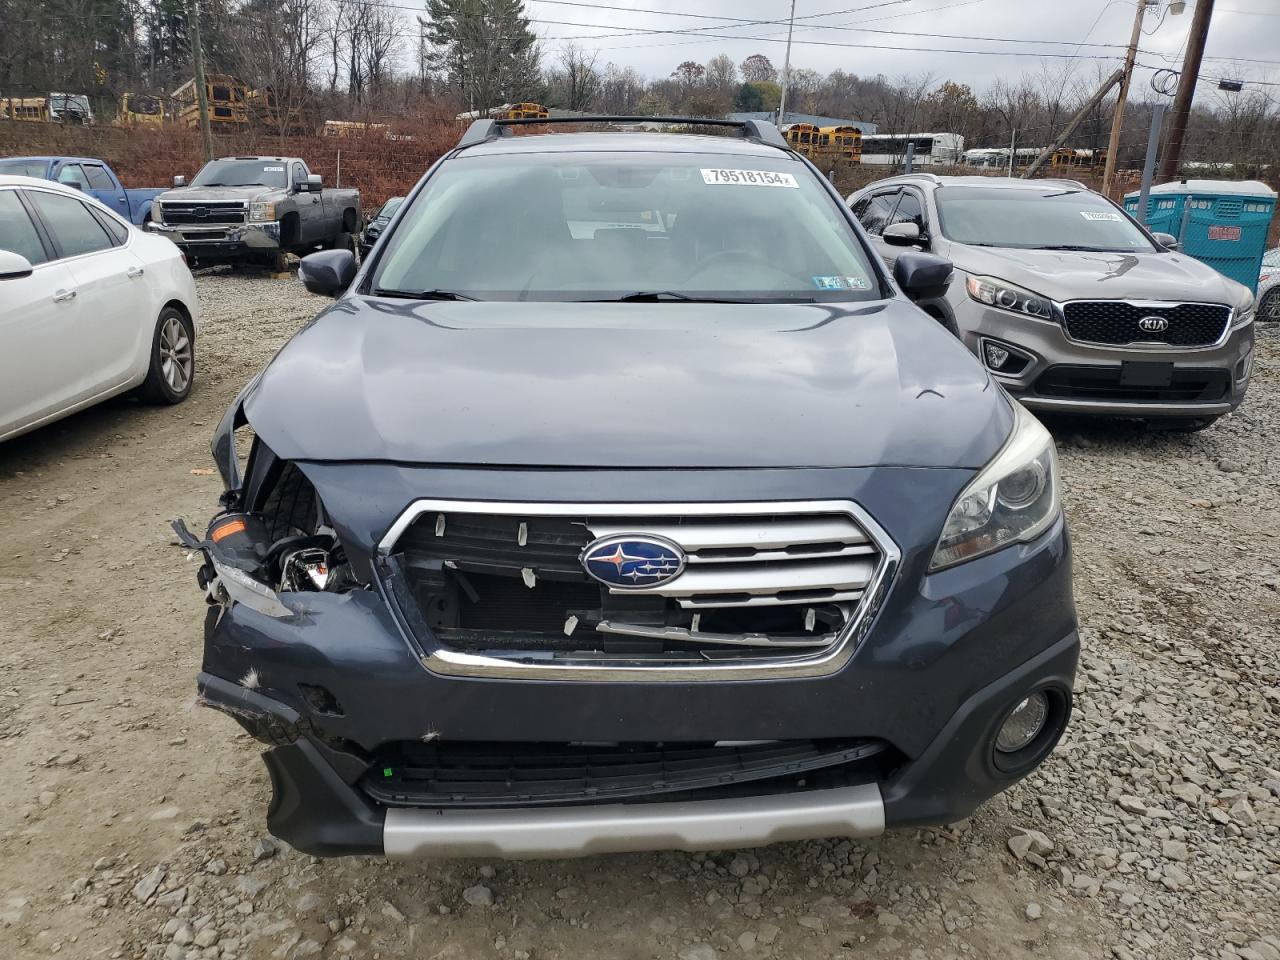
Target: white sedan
<point>90,307</point>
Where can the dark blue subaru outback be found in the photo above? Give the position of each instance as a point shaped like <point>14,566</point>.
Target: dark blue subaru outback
<point>623,501</point>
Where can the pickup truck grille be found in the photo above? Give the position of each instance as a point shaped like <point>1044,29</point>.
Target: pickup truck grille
<point>198,214</point>
<point>1119,322</point>
<point>759,582</point>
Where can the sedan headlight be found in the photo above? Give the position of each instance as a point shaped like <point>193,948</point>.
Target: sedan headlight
<point>1015,498</point>
<point>997,293</point>
<point>260,210</point>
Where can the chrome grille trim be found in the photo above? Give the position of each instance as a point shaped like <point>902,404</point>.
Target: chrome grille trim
<point>857,579</point>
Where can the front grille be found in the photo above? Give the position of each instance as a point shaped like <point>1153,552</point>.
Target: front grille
<point>771,581</point>
<point>1102,384</point>
<point>203,213</point>
<point>412,773</point>
<point>1118,322</point>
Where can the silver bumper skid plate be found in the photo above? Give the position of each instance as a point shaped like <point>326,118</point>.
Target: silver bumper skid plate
<point>562,832</point>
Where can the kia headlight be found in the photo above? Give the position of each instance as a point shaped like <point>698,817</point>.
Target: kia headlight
<point>1244,312</point>
<point>1014,499</point>
<point>260,210</point>
<point>998,293</point>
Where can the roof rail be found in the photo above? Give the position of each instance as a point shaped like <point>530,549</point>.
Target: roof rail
<point>759,131</point>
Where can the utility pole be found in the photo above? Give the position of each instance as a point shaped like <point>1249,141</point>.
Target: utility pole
<point>1117,119</point>
<point>202,93</point>
<point>1075,121</point>
<point>786,69</point>
<point>1013,141</point>
<point>1186,89</point>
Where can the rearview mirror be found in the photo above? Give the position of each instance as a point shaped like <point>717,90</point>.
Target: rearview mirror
<point>179,181</point>
<point>922,274</point>
<point>13,266</point>
<point>328,272</point>
<point>1167,240</point>
<point>902,235</point>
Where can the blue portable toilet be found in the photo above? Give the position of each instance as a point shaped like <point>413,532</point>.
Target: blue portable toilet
<point>1222,223</point>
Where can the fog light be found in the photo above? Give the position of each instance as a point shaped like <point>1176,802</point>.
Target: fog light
<point>996,355</point>
<point>1023,724</point>
<point>1245,366</point>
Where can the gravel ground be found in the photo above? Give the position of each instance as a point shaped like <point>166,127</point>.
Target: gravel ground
<point>131,822</point>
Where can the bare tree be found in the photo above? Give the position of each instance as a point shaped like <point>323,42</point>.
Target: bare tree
<point>576,82</point>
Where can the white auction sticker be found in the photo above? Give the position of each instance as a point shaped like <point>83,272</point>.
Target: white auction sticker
<point>273,169</point>
<point>1099,215</point>
<point>750,178</point>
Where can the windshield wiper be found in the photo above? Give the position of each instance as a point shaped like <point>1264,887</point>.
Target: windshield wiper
<point>660,296</point>
<point>1082,249</point>
<point>421,294</point>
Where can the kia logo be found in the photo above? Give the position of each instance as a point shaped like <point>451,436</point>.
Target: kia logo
<point>1153,324</point>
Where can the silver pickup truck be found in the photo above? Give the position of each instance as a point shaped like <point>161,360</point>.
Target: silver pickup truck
<point>255,209</point>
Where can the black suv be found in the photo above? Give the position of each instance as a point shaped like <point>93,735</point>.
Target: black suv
<point>622,500</point>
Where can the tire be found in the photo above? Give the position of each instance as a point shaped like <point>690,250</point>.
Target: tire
<point>173,360</point>
<point>1269,306</point>
<point>1182,424</point>
<point>344,241</point>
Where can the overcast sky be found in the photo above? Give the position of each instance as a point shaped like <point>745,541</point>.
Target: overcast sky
<point>1241,30</point>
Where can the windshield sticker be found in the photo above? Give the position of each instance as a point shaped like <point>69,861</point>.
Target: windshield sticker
<point>273,169</point>
<point>1099,215</point>
<point>749,178</point>
<point>839,283</point>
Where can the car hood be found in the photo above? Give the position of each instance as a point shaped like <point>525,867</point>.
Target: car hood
<point>1070,275</point>
<point>215,194</point>
<point>628,385</point>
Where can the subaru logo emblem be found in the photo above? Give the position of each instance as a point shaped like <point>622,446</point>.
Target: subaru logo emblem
<point>1153,324</point>
<point>633,561</point>
<point>201,212</point>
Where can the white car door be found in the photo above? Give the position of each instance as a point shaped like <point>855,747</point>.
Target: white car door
<point>111,290</point>
<point>37,318</point>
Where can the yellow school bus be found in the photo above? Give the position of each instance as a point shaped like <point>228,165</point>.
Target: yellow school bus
<point>30,109</point>
<point>842,144</point>
<point>521,111</point>
<point>228,101</point>
<point>140,110</point>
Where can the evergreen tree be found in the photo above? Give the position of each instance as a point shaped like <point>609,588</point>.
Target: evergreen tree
<point>484,49</point>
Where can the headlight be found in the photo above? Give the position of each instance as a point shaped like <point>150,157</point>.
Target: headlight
<point>1015,498</point>
<point>157,213</point>
<point>1244,313</point>
<point>997,293</point>
<point>260,210</point>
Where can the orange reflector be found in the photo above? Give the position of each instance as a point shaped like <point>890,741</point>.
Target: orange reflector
<point>226,530</point>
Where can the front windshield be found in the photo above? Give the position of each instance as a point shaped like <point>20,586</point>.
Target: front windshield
<point>25,168</point>
<point>388,208</point>
<point>605,226</point>
<point>1053,218</point>
<point>242,173</point>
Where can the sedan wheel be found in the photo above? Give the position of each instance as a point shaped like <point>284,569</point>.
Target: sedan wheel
<point>177,359</point>
<point>173,359</point>
<point>1269,308</point>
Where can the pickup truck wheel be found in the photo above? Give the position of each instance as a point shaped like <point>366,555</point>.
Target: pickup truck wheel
<point>173,360</point>
<point>343,241</point>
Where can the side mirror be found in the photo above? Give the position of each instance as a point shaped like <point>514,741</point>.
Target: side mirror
<point>179,181</point>
<point>922,274</point>
<point>312,184</point>
<point>1167,240</point>
<point>13,266</point>
<point>328,272</point>
<point>902,235</point>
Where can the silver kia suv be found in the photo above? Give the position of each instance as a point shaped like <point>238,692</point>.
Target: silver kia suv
<point>1070,304</point>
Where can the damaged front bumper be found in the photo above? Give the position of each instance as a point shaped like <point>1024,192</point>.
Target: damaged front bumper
<point>222,240</point>
<point>339,693</point>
